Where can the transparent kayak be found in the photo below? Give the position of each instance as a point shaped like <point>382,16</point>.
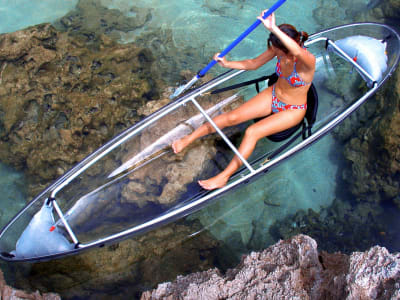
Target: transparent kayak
<point>135,183</point>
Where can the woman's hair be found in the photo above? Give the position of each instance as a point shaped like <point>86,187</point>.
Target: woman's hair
<point>290,30</point>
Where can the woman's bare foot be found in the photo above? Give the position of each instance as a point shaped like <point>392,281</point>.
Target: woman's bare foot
<point>180,144</point>
<point>215,182</point>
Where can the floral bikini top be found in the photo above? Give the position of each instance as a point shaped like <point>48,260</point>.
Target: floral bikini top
<point>293,79</point>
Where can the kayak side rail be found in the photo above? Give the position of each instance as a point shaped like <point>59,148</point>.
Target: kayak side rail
<point>344,55</point>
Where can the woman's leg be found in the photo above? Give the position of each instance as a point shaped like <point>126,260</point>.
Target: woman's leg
<point>257,107</point>
<point>265,127</point>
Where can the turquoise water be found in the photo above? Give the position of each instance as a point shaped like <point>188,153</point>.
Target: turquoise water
<point>18,14</point>
<point>12,189</point>
<point>308,181</point>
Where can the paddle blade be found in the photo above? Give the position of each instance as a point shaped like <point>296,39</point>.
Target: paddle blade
<point>182,88</point>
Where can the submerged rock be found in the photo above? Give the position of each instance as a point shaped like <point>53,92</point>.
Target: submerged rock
<point>91,19</point>
<point>343,226</point>
<point>373,150</point>
<point>370,134</point>
<point>62,99</point>
<point>293,269</point>
<point>387,12</point>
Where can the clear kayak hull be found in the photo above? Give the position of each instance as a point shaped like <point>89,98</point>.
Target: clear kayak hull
<point>135,183</point>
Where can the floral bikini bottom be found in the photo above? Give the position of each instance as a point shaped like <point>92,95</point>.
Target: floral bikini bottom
<point>278,105</point>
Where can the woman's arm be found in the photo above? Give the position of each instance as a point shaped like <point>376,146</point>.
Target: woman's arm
<point>294,48</point>
<point>247,64</point>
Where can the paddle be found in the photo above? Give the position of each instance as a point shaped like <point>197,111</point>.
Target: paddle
<point>202,72</point>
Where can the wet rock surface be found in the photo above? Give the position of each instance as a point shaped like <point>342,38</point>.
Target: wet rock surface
<point>293,269</point>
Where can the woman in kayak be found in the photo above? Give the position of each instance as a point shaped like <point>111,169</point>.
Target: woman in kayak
<point>281,106</point>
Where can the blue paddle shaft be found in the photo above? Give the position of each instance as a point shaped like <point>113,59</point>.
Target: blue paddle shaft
<point>241,37</point>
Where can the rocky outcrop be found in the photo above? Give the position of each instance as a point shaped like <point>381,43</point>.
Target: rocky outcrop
<point>293,269</point>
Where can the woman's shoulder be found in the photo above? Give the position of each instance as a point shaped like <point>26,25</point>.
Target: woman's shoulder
<point>308,58</point>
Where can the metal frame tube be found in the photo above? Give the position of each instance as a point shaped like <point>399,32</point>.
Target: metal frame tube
<point>61,215</point>
<point>224,137</point>
<point>342,53</point>
<point>348,58</point>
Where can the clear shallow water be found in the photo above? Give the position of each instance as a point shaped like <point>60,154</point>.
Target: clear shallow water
<point>12,191</point>
<point>18,14</point>
<point>306,181</point>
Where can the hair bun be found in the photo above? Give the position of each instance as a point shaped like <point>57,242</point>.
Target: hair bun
<point>303,36</point>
